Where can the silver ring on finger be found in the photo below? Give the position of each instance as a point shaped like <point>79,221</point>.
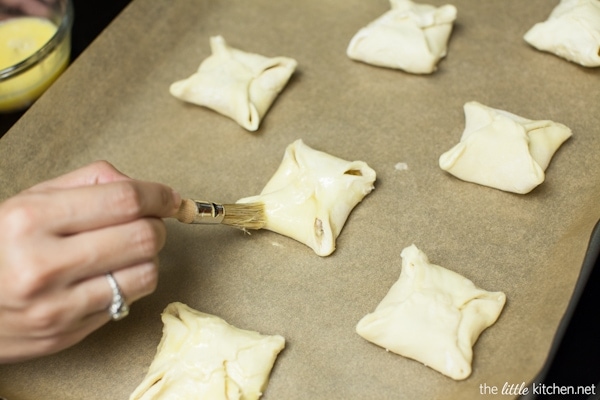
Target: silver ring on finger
<point>118,308</point>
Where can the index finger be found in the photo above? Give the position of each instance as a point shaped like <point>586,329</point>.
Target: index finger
<point>92,174</point>
<point>78,209</point>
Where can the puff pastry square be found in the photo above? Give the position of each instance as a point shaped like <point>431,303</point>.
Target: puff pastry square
<point>572,31</point>
<point>412,37</point>
<point>235,83</point>
<point>432,315</point>
<point>200,356</point>
<point>312,194</point>
<point>503,150</point>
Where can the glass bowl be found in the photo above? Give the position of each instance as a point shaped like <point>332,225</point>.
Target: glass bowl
<point>35,42</point>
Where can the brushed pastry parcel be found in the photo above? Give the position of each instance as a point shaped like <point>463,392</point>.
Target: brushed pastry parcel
<point>572,31</point>
<point>311,195</point>
<point>432,315</point>
<point>200,356</point>
<point>503,150</point>
<point>410,36</point>
<point>235,83</point>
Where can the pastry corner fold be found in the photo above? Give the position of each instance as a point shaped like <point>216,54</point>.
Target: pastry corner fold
<point>235,83</point>
<point>311,195</point>
<point>201,356</point>
<point>572,31</point>
<point>432,315</point>
<point>502,150</point>
<point>410,36</point>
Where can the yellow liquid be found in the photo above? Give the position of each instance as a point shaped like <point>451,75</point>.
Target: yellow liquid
<point>19,39</point>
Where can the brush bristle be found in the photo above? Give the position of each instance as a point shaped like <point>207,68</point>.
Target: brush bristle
<point>245,215</point>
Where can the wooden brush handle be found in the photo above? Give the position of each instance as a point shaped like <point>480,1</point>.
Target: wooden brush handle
<point>187,211</point>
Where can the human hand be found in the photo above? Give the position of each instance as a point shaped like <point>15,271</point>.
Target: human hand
<point>59,239</point>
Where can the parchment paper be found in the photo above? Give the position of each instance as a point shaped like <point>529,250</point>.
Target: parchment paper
<point>113,103</point>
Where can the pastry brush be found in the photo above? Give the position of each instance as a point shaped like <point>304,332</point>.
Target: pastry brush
<point>243,216</point>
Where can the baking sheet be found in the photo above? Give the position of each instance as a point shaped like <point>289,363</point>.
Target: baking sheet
<point>113,103</point>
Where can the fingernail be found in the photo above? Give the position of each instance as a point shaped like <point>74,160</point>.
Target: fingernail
<point>176,197</point>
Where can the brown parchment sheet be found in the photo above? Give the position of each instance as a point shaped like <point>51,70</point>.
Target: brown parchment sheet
<point>113,103</point>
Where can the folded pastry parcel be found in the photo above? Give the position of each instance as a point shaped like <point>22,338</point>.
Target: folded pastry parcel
<point>503,150</point>
<point>432,315</point>
<point>235,83</point>
<point>202,357</point>
<point>410,36</point>
<point>312,194</point>
<point>572,31</point>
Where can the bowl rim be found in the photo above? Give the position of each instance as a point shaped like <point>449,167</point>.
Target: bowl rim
<point>62,31</point>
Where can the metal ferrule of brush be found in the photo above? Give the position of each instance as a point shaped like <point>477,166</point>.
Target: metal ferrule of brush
<point>209,213</point>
